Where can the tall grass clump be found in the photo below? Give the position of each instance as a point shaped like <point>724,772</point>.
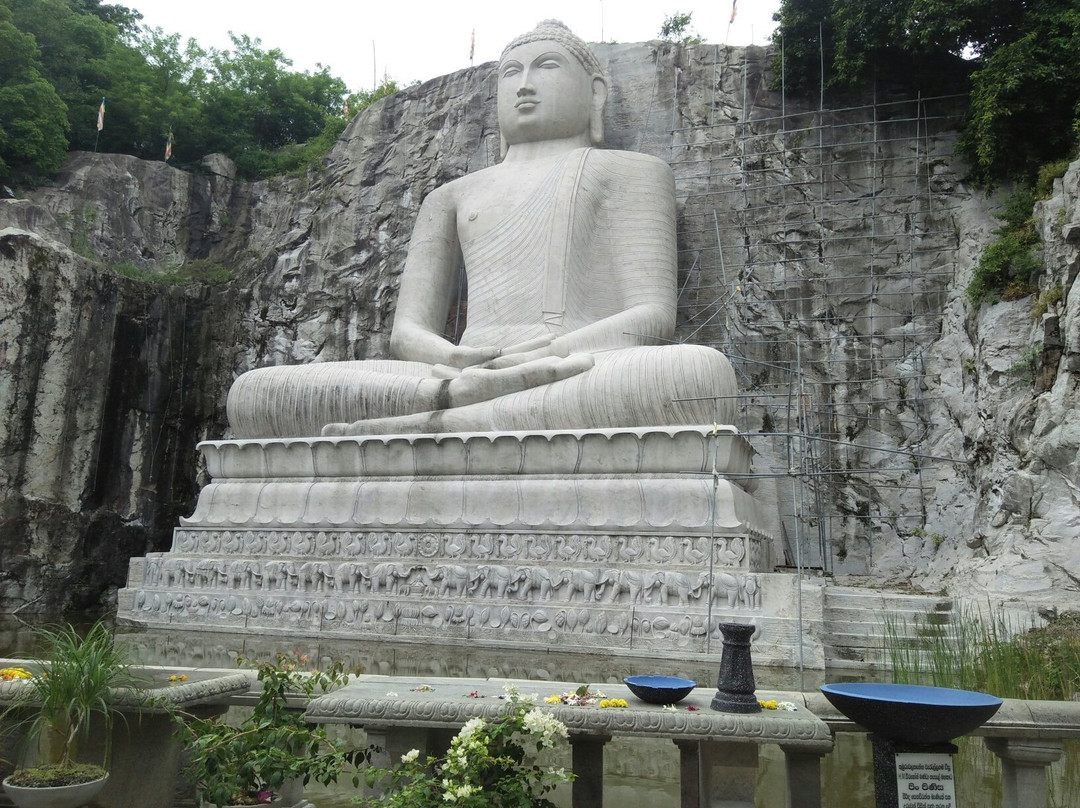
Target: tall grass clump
<point>989,653</point>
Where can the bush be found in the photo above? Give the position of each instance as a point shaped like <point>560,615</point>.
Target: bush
<point>1007,266</point>
<point>490,764</point>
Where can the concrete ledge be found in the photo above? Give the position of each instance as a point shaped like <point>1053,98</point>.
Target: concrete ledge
<point>386,701</point>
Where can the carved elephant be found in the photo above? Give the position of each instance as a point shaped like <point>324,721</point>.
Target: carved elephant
<point>351,574</point>
<point>682,585</point>
<point>243,574</point>
<point>453,579</point>
<point>388,576</point>
<point>315,576</point>
<point>589,582</point>
<point>497,578</point>
<point>173,572</point>
<point>279,574</point>
<point>540,579</point>
<point>727,587</point>
<point>639,584</point>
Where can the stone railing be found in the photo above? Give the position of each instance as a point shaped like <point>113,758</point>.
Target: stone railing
<point>718,752</point>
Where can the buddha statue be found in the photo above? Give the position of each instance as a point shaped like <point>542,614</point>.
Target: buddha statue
<point>570,259</point>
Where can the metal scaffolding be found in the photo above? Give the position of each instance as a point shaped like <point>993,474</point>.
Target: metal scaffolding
<point>831,244</point>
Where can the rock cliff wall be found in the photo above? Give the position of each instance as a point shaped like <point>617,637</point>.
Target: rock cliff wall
<point>906,438</point>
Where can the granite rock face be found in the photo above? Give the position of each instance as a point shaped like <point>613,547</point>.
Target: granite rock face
<point>967,481</point>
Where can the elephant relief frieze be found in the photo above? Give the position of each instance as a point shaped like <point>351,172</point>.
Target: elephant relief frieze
<point>539,583</point>
<point>456,580</point>
<point>279,575</point>
<point>352,575</point>
<point>737,591</point>
<point>498,579</point>
<point>315,576</point>
<point>587,582</point>
<point>637,584</point>
<point>388,577</point>
<point>683,585</point>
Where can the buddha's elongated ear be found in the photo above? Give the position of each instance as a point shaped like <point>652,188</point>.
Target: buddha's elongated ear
<point>596,111</point>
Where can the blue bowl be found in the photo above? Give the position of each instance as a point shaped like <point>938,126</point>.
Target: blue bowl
<point>912,713</point>
<point>660,689</point>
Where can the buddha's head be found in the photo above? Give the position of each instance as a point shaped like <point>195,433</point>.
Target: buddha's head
<point>550,87</point>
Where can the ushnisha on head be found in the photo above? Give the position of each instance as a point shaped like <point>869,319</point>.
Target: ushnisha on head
<point>575,101</point>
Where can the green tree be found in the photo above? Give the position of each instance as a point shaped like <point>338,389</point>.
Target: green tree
<point>254,104</point>
<point>676,28</point>
<point>33,126</point>
<point>1020,58</point>
<point>74,47</point>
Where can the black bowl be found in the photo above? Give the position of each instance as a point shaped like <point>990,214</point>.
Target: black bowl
<point>659,689</point>
<point>912,713</point>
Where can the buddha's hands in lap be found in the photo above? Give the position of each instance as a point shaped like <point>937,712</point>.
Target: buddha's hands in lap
<point>473,386</point>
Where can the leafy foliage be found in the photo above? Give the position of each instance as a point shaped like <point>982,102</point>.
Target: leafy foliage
<point>271,746</point>
<point>34,126</point>
<point>1024,75</point>
<point>76,683</point>
<point>60,58</point>
<point>676,28</point>
<point>1007,265</point>
<point>490,764</point>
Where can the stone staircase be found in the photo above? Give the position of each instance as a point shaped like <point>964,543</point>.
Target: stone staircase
<point>855,622</point>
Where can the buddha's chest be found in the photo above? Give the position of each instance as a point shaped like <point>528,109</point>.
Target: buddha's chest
<point>497,198</point>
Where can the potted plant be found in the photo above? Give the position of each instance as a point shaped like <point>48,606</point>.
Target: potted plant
<point>71,686</point>
<point>269,756</point>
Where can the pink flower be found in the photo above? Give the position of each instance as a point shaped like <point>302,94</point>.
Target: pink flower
<point>265,796</point>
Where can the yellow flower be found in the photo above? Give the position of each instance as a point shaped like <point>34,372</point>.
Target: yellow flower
<point>7,674</point>
<point>553,700</point>
<point>614,703</point>
<point>768,705</point>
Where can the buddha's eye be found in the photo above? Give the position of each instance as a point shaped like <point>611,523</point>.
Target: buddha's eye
<point>549,64</point>
<point>510,70</point>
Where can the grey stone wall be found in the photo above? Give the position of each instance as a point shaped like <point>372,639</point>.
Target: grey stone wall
<point>109,382</point>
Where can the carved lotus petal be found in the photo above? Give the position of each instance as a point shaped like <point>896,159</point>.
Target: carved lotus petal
<point>659,623</point>
<point>540,617</point>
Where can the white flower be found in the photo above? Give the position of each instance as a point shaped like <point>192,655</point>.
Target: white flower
<point>391,695</point>
<point>410,756</point>
<point>465,790</point>
<point>472,726</point>
<point>787,705</point>
<point>544,727</point>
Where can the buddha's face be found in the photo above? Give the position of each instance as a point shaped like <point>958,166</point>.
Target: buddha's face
<point>545,94</point>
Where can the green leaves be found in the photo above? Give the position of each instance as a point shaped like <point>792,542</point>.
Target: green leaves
<point>1018,58</point>
<point>76,683</point>
<point>492,763</point>
<point>59,58</point>
<point>273,744</point>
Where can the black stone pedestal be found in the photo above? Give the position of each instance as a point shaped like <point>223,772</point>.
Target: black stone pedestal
<point>735,682</point>
<point>885,794</point>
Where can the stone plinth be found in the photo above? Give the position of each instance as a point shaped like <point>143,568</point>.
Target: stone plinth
<point>621,539</point>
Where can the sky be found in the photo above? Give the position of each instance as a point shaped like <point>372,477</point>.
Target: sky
<point>415,40</point>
